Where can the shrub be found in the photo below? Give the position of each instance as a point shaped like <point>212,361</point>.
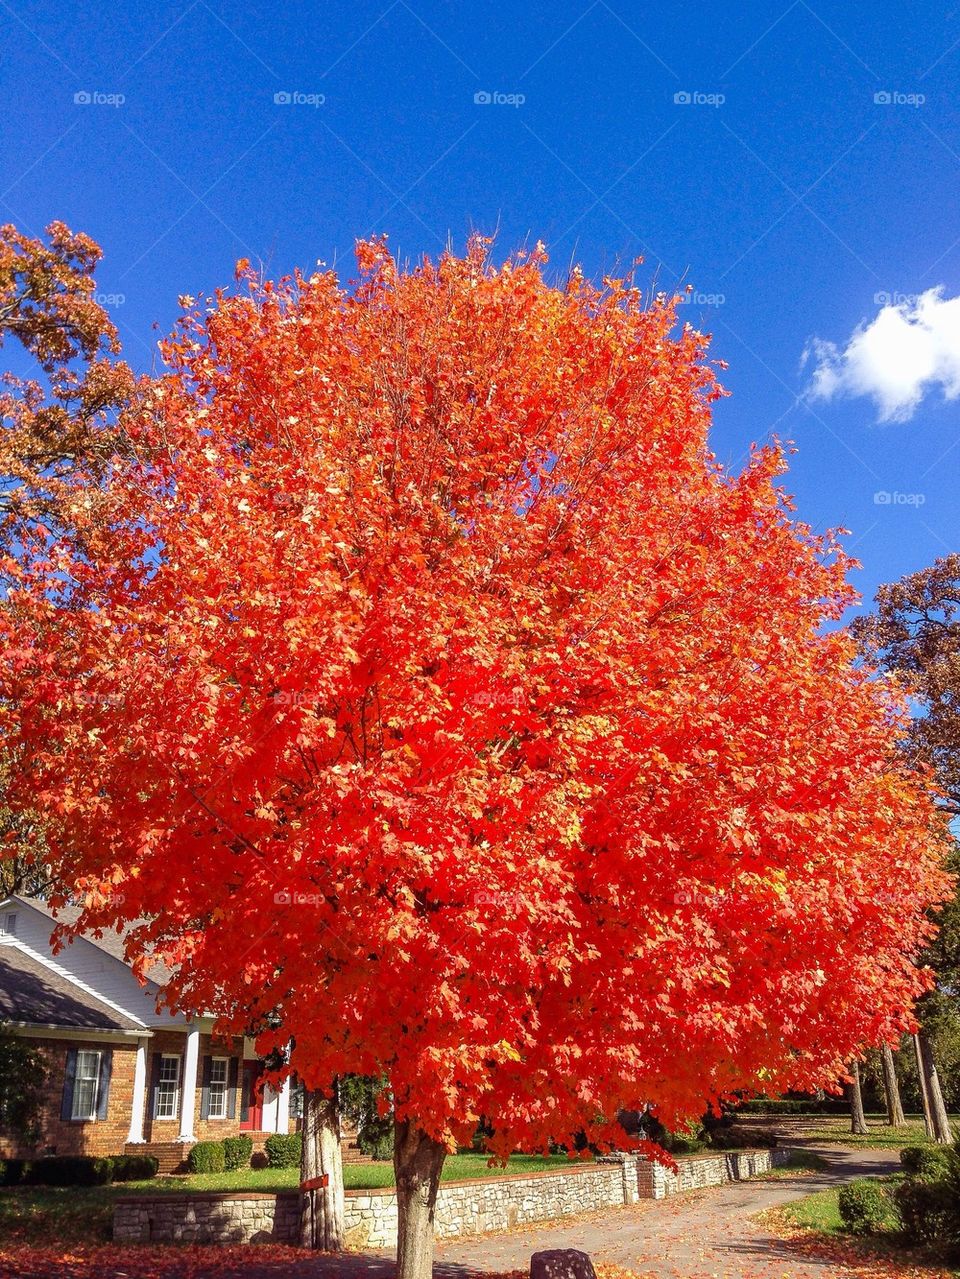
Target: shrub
<point>237,1152</point>
<point>377,1145</point>
<point>283,1150</point>
<point>206,1156</point>
<point>864,1206</point>
<point>924,1161</point>
<point>134,1167</point>
<point>70,1170</point>
<point>742,1139</point>
<point>927,1210</point>
<point>13,1171</point>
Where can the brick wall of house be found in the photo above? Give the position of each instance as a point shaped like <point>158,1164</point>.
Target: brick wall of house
<point>81,1137</point>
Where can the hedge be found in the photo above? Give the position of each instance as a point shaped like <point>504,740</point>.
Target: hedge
<point>283,1150</point>
<point>791,1106</point>
<point>69,1170</point>
<point>207,1156</point>
<point>237,1152</point>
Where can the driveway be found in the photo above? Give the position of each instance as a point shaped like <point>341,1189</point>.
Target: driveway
<point>705,1233</point>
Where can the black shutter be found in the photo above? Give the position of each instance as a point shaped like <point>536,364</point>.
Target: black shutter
<point>155,1085</point>
<point>232,1088</point>
<point>69,1079</point>
<point>103,1084</point>
<point>205,1087</point>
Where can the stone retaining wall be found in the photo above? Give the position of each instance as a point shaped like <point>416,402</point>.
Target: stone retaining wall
<point>463,1207</point>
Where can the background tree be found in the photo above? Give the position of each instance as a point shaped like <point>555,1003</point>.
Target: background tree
<point>58,426</point>
<point>915,633</point>
<point>503,721</point>
<point>23,1075</point>
<point>59,416</point>
<point>891,1088</point>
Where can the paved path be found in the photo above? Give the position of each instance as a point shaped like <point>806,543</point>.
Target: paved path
<point>705,1232</point>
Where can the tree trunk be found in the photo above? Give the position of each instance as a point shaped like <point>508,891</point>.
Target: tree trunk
<point>858,1121</point>
<point>321,1207</point>
<point>924,1092</point>
<point>935,1112</point>
<point>891,1089</point>
<point>417,1163</point>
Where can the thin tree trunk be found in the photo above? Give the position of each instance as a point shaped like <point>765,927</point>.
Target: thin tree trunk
<point>321,1207</point>
<point>417,1164</point>
<point>858,1121</point>
<point>924,1092</point>
<point>938,1123</point>
<point>891,1088</point>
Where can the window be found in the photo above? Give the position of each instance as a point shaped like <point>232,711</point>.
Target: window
<point>168,1087</point>
<point>86,1085</point>
<point>217,1106</point>
<point>9,927</point>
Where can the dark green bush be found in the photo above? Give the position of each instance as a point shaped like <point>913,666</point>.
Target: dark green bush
<point>237,1152</point>
<point>793,1106</point>
<point>206,1156</point>
<point>865,1206</point>
<point>70,1170</point>
<point>13,1171</point>
<point>930,1162</point>
<point>927,1210</point>
<point>134,1167</point>
<point>742,1138</point>
<point>376,1145</point>
<point>283,1150</point>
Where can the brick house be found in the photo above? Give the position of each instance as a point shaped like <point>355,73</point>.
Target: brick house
<point>124,1077</point>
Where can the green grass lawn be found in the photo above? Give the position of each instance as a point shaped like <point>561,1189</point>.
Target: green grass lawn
<point>40,1214</point>
<point>835,1130</point>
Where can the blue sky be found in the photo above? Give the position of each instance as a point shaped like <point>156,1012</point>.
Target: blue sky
<point>798,164</point>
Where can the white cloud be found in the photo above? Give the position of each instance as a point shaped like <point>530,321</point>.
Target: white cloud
<point>911,347</point>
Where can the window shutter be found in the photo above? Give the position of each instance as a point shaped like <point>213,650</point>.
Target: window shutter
<point>155,1086</point>
<point>103,1085</point>
<point>245,1098</point>
<point>69,1079</point>
<point>232,1088</point>
<point>205,1088</point>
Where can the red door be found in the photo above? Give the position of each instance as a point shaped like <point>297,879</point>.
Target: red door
<point>251,1102</point>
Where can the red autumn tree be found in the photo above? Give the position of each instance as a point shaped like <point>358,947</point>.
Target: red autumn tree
<point>446,709</point>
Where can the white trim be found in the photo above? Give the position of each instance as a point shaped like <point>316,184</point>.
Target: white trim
<point>34,1030</point>
<point>87,1116</point>
<point>178,1090</point>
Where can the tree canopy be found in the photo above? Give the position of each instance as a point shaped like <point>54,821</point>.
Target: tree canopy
<point>446,708</point>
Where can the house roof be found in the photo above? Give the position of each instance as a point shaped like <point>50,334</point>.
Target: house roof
<point>112,941</point>
<point>35,994</point>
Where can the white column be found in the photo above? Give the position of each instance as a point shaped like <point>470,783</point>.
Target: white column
<point>188,1088</point>
<point>283,1106</point>
<point>139,1102</point>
